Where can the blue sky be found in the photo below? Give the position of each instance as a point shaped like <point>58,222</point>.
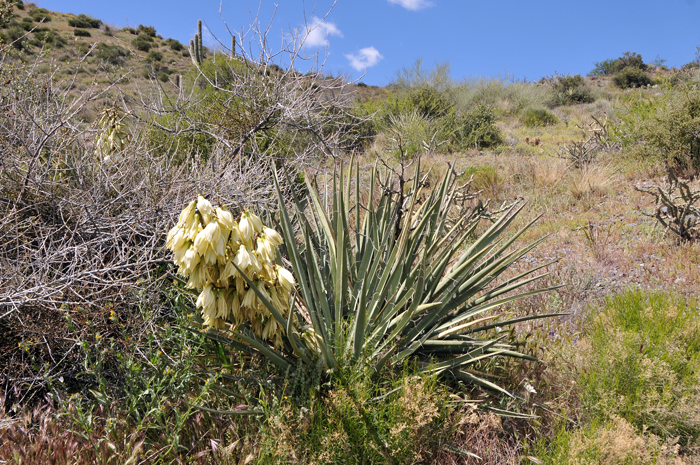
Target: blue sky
<point>519,38</point>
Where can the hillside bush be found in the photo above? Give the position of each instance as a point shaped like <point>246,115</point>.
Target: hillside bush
<point>149,31</point>
<point>669,130</point>
<point>84,22</point>
<point>632,77</point>
<point>476,128</point>
<point>112,54</point>
<point>81,32</point>
<point>154,55</point>
<point>534,117</point>
<point>613,66</point>
<point>40,14</point>
<point>143,42</point>
<point>174,45</point>
<point>15,35</point>
<point>571,90</point>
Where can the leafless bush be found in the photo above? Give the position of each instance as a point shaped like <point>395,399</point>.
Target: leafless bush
<point>79,228</point>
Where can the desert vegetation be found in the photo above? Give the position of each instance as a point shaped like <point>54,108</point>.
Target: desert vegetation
<point>210,257</point>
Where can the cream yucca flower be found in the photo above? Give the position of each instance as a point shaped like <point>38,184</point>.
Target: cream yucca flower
<point>285,278</point>
<point>205,209</point>
<point>207,300</point>
<point>273,236</point>
<point>255,222</point>
<point>265,249</point>
<point>212,233</point>
<point>208,244</point>
<point>246,229</point>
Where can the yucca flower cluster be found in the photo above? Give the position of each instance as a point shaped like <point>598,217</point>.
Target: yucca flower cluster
<point>206,243</point>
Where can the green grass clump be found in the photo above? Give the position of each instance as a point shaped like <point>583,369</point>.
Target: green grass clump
<point>484,178</point>
<point>644,365</point>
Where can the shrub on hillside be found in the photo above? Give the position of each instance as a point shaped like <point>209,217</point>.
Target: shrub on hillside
<point>50,38</point>
<point>154,55</point>
<point>112,54</point>
<point>475,128</point>
<point>150,31</point>
<point>534,117</point>
<point>142,42</point>
<point>571,90</point>
<point>16,36</point>
<point>174,45</point>
<point>85,22</point>
<point>40,14</point>
<point>616,65</point>
<point>632,77</point>
<point>81,33</point>
<point>672,131</point>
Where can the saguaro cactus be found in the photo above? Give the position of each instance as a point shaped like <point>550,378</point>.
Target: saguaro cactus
<point>201,45</point>
<point>233,46</point>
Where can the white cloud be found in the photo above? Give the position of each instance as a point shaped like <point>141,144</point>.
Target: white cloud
<point>365,58</point>
<point>318,31</point>
<point>413,5</point>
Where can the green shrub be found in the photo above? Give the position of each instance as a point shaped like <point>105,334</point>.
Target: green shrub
<point>15,35</point>
<point>475,128</point>
<point>25,24</point>
<point>672,132</point>
<point>154,55</point>
<point>535,117</point>
<point>130,30</point>
<point>603,68</point>
<point>81,33</point>
<point>174,44</point>
<point>112,54</point>
<point>84,22</point>
<point>642,357</point>
<point>19,4</point>
<point>50,38</point>
<point>40,14</point>
<point>427,102</point>
<point>143,42</point>
<point>571,90</point>
<point>632,77</point>
<point>149,31</point>
<point>614,66</point>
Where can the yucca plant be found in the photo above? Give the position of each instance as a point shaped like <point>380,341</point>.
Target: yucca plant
<point>394,279</point>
